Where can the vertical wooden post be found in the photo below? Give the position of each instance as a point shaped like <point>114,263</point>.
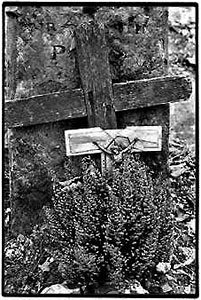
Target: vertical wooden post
<point>96,80</point>
<point>95,76</point>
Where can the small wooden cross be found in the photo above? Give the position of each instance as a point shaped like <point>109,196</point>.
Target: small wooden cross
<point>112,143</point>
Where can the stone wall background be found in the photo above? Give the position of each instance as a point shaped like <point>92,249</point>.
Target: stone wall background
<point>41,58</point>
<point>45,53</point>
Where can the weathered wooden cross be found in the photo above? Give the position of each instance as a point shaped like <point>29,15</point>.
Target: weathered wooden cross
<point>99,100</point>
<point>143,105</point>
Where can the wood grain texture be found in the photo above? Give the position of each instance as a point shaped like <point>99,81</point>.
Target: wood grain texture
<point>151,92</point>
<point>96,81</point>
<point>70,104</point>
<point>92,56</point>
<point>45,108</point>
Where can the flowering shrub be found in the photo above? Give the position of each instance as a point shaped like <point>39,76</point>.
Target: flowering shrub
<point>115,230</point>
<point>77,221</point>
<point>97,230</point>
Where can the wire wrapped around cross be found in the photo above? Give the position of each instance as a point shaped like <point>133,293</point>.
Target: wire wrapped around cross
<point>119,145</point>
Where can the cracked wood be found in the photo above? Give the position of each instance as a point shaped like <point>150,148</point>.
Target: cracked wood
<point>70,104</point>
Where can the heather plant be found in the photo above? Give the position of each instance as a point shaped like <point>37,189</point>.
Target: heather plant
<point>77,222</point>
<point>141,219</point>
<point>99,230</point>
<point>116,230</point>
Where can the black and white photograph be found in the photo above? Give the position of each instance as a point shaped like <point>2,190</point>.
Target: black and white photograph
<point>100,149</point>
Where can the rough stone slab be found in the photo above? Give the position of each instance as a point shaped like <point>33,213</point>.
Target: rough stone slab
<point>44,41</point>
<point>151,116</point>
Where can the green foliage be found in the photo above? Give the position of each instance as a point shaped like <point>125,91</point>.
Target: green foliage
<point>112,231</point>
<point>142,205</point>
<point>182,162</point>
<point>21,256</point>
<point>182,39</point>
<point>29,263</point>
<point>77,222</point>
<point>97,231</point>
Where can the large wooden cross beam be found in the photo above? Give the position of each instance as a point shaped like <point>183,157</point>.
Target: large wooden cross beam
<point>98,100</point>
<point>70,104</point>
